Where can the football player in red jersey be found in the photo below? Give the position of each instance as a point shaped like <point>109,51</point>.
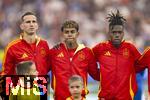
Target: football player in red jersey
<point>69,58</point>
<point>117,60</point>
<point>28,47</point>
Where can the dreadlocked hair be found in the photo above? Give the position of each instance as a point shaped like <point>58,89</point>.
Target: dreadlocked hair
<point>115,19</point>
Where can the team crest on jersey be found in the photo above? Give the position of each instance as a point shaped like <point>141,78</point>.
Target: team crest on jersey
<point>81,56</point>
<point>43,52</point>
<point>126,53</point>
<point>107,53</point>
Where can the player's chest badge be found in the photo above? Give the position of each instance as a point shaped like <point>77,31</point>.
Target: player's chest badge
<point>81,56</point>
<point>42,51</point>
<point>126,53</point>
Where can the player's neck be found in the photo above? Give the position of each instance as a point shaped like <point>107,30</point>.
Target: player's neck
<point>71,44</point>
<point>116,45</point>
<point>29,38</point>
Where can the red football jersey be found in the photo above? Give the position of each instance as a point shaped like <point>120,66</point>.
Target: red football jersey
<point>63,67</point>
<point>19,50</point>
<point>117,70</point>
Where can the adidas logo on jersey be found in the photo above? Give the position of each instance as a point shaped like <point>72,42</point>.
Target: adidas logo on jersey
<point>60,55</point>
<point>24,55</point>
<point>107,53</point>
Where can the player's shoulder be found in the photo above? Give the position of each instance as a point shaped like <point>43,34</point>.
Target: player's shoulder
<point>102,44</point>
<point>57,46</point>
<point>86,49</point>
<point>129,43</point>
<point>83,48</point>
<point>42,40</point>
<point>13,43</point>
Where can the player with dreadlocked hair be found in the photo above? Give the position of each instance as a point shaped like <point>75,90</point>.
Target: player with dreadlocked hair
<point>117,60</point>
<point>116,26</point>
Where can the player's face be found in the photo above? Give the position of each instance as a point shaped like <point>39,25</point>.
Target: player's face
<point>116,34</point>
<point>70,34</point>
<point>29,24</point>
<point>75,88</point>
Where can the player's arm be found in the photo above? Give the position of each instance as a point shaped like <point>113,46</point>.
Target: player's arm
<point>145,58</point>
<point>138,67</point>
<point>52,52</point>
<point>93,68</point>
<point>50,58</point>
<point>47,57</point>
<point>8,62</point>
